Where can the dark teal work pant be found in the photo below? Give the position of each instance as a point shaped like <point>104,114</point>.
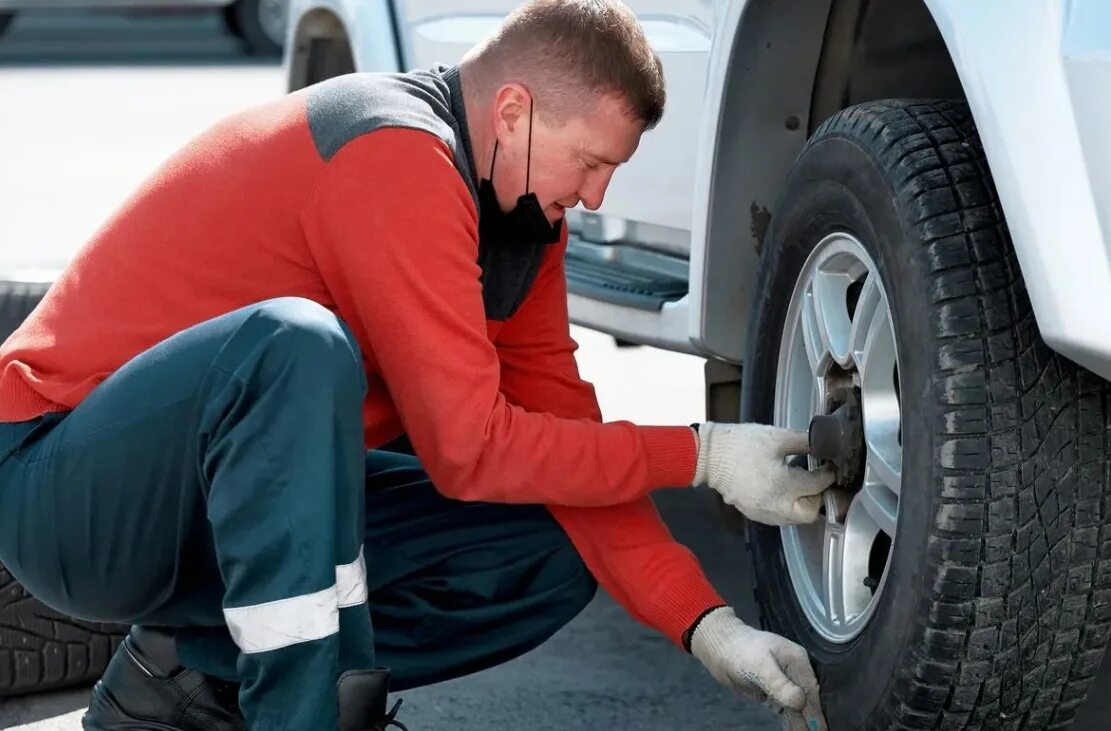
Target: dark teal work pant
<point>218,484</point>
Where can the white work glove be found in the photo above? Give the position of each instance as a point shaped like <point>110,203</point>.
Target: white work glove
<point>746,464</point>
<point>762,665</point>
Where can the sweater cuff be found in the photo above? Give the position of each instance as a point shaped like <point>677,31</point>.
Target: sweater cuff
<point>689,632</point>
<point>672,455</point>
<point>682,602</point>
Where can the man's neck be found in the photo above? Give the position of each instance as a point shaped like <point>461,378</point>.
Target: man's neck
<point>478,122</point>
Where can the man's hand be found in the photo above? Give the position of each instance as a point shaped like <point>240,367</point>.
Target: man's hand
<point>765,666</point>
<point>746,464</point>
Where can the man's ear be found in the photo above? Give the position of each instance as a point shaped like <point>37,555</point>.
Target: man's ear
<point>511,107</point>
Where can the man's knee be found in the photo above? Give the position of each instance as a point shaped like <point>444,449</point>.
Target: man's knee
<point>298,330</point>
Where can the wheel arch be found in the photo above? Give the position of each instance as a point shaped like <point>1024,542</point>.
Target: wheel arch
<point>331,38</point>
<point>783,66</point>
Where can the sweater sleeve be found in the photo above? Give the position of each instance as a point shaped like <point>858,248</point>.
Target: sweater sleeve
<point>393,230</point>
<point>627,547</point>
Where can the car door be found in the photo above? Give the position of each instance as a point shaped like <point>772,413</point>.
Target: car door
<point>649,201</point>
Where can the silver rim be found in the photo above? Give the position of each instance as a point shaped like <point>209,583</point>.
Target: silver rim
<point>839,335</point>
<point>272,18</point>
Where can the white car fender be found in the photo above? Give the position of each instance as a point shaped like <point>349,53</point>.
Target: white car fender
<point>763,59</point>
<point>369,25</point>
<point>1037,75</point>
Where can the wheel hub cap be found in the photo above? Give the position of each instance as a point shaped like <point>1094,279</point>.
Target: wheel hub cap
<point>838,439</point>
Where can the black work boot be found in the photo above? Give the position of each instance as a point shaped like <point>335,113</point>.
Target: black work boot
<point>146,687</point>
<point>362,701</point>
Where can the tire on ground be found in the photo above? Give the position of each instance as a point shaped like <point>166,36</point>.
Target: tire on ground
<point>997,605</point>
<point>6,19</point>
<point>41,649</point>
<point>243,19</point>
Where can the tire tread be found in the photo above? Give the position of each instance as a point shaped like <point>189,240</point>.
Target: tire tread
<point>41,649</point>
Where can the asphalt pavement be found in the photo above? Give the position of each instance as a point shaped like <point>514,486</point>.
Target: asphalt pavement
<point>91,103</point>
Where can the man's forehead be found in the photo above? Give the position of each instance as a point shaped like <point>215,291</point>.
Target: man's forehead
<point>609,135</point>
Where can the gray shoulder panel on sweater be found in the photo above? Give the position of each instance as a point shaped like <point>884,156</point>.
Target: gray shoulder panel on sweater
<point>346,107</point>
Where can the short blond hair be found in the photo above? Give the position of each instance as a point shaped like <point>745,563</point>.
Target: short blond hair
<point>566,51</point>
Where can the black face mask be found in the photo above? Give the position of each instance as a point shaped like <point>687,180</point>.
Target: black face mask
<point>526,223</point>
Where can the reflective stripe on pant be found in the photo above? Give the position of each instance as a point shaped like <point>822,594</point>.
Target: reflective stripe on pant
<point>214,480</point>
<point>455,587</point>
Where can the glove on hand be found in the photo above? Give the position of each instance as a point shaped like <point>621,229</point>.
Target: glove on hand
<point>762,665</point>
<point>745,463</point>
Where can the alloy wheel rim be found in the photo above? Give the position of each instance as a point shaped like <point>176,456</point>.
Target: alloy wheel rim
<point>839,338</point>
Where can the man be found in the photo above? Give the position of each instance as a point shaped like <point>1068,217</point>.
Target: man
<point>187,415</point>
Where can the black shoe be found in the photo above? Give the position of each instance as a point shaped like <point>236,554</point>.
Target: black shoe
<point>362,701</point>
<point>146,687</point>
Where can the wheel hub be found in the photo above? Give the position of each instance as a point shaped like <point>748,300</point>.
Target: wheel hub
<point>838,439</point>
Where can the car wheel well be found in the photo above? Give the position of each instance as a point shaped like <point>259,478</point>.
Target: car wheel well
<point>881,50</point>
<point>321,50</point>
<point>795,63</point>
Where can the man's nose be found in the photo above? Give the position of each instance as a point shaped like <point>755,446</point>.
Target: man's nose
<point>593,190</point>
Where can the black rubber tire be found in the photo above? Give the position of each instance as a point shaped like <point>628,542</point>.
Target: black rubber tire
<point>6,20</point>
<point>242,19</point>
<point>41,649</point>
<point>17,299</point>
<point>231,21</point>
<point>997,606</point>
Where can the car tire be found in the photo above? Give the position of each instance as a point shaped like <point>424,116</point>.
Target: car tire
<point>17,300</point>
<point>6,20</point>
<point>244,18</point>
<point>41,649</point>
<point>994,606</point>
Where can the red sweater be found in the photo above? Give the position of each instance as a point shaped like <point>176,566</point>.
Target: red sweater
<point>383,233</point>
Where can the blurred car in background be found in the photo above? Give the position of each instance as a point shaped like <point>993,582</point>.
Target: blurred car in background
<point>260,24</point>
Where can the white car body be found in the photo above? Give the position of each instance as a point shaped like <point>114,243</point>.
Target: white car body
<point>749,79</point>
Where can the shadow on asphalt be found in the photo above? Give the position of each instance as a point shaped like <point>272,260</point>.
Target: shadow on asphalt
<point>22,710</point>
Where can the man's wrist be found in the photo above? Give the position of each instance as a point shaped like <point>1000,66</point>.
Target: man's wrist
<point>688,635</point>
<point>700,435</point>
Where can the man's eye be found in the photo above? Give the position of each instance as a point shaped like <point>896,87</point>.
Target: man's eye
<point>590,165</point>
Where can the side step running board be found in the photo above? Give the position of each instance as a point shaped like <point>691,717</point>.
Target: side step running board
<point>624,275</point>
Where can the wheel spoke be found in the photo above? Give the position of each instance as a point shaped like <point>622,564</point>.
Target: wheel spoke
<point>837,503</point>
<point>814,336</point>
<point>881,504</point>
<point>861,531</point>
<point>885,460</point>
<point>833,575</point>
<point>869,306</point>
<point>882,411</point>
<point>830,286</point>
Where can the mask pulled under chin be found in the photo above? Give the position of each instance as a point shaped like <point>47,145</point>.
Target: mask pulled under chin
<point>524,224</point>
